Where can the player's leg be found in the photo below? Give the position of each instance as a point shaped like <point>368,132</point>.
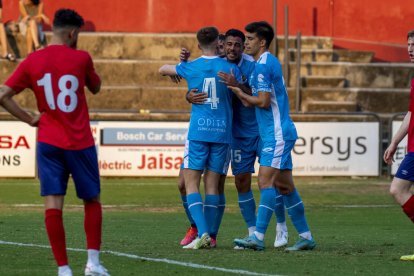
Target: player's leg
<point>244,153</point>
<point>282,236</point>
<point>402,183</point>
<point>247,204</point>
<point>220,211</point>
<point>265,209</point>
<point>54,177</point>
<point>83,166</point>
<point>211,202</point>
<point>191,233</point>
<point>296,210</point>
<point>400,189</point>
<point>195,159</point>
<point>214,179</point>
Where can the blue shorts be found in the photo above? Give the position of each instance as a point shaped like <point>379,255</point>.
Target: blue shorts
<point>200,155</point>
<point>56,164</point>
<point>406,169</point>
<point>243,154</point>
<point>277,154</point>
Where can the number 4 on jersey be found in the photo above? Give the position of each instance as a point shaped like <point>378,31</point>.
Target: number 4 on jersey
<point>64,92</point>
<point>209,87</point>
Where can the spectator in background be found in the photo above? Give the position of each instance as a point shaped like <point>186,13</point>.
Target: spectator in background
<point>3,40</point>
<point>31,19</point>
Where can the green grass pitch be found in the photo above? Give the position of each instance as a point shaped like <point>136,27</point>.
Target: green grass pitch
<point>358,228</point>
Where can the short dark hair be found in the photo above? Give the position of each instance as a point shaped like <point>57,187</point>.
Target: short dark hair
<point>410,34</point>
<point>236,33</point>
<point>221,37</point>
<point>207,35</point>
<point>263,31</point>
<point>35,2</point>
<point>67,18</point>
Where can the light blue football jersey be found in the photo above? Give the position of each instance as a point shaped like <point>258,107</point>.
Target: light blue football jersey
<point>244,118</point>
<point>274,122</point>
<point>211,121</point>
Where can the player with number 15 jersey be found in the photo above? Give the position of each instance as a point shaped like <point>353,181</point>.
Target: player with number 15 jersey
<point>57,75</point>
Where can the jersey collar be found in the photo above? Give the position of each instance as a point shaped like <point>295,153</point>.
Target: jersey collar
<point>210,57</point>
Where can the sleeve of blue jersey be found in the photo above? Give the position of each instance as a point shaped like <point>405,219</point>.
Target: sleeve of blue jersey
<point>181,69</point>
<point>264,83</point>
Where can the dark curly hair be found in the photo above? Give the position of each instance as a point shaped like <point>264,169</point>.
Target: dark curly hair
<point>67,18</point>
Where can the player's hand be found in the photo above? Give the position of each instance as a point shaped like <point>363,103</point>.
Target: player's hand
<point>389,154</point>
<point>184,55</point>
<point>235,89</point>
<point>228,79</point>
<point>175,78</point>
<point>196,98</point>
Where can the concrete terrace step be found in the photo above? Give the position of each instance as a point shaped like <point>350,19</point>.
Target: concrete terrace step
<point>133,98</point>
<point>157,46</point>
<point>324,81</point>
<point>329,55</point>
<point>380,75</point>
<point>117,98</point>
<point>381,100</point>
<point>145,72</point>
<point>330,106</point>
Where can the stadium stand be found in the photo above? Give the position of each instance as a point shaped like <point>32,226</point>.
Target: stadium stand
<point>332,79</point>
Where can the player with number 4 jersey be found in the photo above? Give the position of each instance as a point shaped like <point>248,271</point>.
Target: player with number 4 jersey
<point>57,75</point>
<point>209,136</point>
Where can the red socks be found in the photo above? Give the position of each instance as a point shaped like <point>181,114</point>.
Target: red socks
<point>56,234</point>
<point>408,208</point>
<point>93,224</point>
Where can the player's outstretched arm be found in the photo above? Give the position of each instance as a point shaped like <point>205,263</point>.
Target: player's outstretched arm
<point>402,131</point>
<point>7,102</point>
<point>168,70</point>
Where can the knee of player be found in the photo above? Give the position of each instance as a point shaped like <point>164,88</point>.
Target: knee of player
<point>395,191</point>
<point>181,187</point>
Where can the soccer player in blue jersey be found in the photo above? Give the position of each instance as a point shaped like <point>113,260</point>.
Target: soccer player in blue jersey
<point>208,144</point>
<point>278,134</point>
<point>246,143</point>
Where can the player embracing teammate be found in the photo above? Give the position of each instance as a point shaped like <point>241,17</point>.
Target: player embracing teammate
<point>277,133</point>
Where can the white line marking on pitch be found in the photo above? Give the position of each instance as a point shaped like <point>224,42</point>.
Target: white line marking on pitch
<point>137,205</point>
<point>132,256</point>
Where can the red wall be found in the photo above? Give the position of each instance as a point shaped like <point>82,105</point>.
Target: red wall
<point>357,24</point>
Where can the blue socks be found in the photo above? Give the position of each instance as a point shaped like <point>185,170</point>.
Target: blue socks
<point>195,206</point>
<point>280,208</point>
<point>210,211</point>
<point>296,211</point>
<point>266,209</point>
<point>247,206</point>
<point>187,212</point>
<point>220,213</point>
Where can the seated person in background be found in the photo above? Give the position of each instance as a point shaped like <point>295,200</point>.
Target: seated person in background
<point>31,19</point>
<point>3,40</point>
